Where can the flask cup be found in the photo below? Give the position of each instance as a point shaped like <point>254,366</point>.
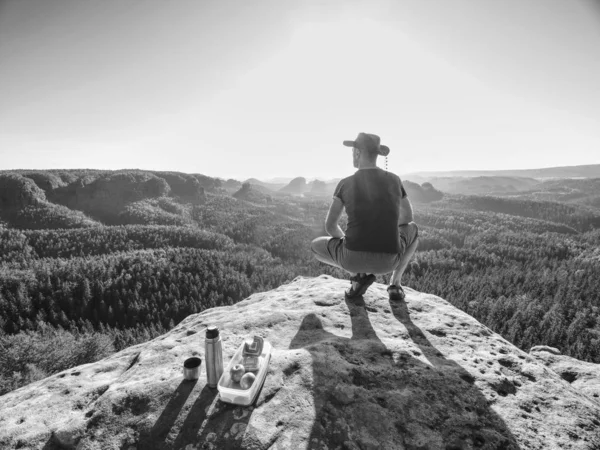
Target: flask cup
<point>191,368</point>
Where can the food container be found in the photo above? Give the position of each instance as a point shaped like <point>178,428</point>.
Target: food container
<point>232,392</point>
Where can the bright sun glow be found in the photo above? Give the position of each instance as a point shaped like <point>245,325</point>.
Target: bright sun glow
<point>335,79</point>
<point>274,93</point>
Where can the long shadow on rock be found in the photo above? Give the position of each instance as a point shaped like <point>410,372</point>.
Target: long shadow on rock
<point>160,431</point>
<point>364,398</point>
<point>344,371</point>
<point>179,423</point>
<point>51,444</point>
<point>446,398</point>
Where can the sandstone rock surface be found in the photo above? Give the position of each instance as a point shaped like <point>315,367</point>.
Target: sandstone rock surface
<point>583,376</point>
<point>363,374</point>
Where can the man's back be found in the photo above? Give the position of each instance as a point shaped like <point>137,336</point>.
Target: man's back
<point>371,198</point>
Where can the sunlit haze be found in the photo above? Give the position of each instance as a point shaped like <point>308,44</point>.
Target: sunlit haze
<point>271,89</point>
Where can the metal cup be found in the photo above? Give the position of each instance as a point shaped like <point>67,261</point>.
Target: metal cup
<point>191,368</point>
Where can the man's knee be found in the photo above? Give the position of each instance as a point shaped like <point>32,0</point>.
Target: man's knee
<point>313,245</point>
<point>409,233</point>
<point>412,234</point>
<point>319,245</point>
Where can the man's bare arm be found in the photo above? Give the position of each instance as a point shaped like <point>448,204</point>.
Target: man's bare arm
<point>406,211</point>
<point>333,217</point>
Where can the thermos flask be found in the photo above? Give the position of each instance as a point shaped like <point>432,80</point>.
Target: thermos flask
<point>213,356</point>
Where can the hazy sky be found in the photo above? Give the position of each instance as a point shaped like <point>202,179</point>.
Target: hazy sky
<point>271,88</point>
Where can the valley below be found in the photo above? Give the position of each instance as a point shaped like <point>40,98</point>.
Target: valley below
<point>93,262</point>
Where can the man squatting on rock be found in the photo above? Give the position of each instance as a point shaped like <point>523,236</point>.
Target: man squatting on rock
<point>381,236</point>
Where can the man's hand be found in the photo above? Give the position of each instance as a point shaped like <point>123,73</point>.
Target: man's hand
<point>333,217</point>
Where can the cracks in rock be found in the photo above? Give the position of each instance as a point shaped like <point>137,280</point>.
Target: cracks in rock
<point>269,396</point>
<point>94,397</point>
<point>270,444</point>
<point>134,360</point>
<point>97,393</point>
<point>324,303</point>
<point>437,332</point>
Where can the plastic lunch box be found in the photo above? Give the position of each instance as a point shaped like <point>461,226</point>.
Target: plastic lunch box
<point>231,392</point>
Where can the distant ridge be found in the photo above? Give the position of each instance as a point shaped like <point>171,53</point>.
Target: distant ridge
<point>286,180</point>
<point>585,171</point>
<point>265,185</point>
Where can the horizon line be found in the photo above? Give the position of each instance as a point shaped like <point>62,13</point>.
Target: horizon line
<point>242,179</point>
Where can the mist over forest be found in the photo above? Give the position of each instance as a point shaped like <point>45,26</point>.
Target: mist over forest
<point>94,261</point>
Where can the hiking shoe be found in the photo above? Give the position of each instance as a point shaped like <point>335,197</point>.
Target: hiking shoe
<point>364,281</point>
<point>396,293</point>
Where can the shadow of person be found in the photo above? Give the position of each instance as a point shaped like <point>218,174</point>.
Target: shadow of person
<point>473,421</point>
<point>332,389</point>
<point>369,397</point>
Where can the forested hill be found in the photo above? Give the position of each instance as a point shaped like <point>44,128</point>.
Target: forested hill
<point>94,261</point>
<point>84,198</point>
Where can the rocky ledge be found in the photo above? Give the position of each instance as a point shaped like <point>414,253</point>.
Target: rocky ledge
<point>365,374</point>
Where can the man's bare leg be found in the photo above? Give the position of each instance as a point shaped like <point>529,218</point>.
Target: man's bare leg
<point>319,249</point>
<point>408,254</point>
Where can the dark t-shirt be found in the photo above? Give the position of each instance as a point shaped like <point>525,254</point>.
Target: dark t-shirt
<point>371,198</point>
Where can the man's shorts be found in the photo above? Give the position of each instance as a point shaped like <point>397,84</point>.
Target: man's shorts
<point>370,262</point>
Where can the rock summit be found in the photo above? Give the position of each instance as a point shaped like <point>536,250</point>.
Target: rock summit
<point>367,374</point>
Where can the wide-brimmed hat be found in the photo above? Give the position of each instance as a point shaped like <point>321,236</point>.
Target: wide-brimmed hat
<point>368,142</point>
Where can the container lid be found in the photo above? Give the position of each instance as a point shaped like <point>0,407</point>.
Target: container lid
<point>212,332</point>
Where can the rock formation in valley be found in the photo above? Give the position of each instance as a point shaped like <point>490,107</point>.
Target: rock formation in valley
<point>297,186</point>
<point>318,187</point>
<point>251,193</point>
